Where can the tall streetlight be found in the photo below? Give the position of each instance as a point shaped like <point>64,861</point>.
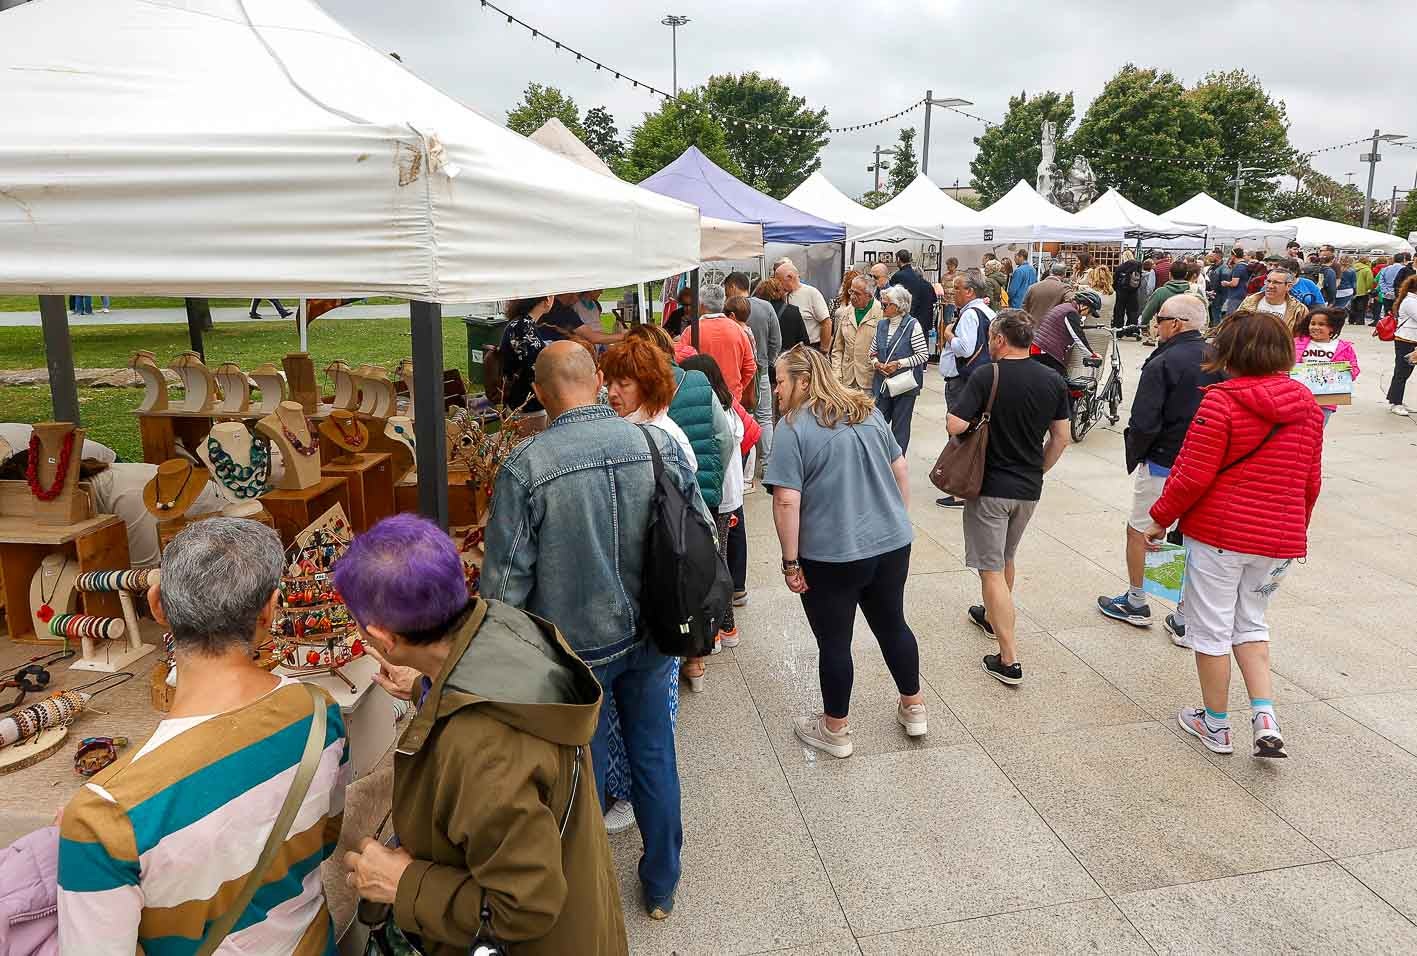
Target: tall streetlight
<point>929,102</point>
<point>674,22</point>
<point>1240,171</point>
<point>877,166</point>
<point>1372,159</point>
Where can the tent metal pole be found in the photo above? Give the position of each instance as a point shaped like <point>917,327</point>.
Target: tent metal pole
<point>59,356</point>
<point>694,316</point>
<point>429,431</point>
<point>303,324</point>
<point>199,318</point>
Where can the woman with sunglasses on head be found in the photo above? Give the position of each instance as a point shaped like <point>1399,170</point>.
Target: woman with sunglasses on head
<point>840,492</point>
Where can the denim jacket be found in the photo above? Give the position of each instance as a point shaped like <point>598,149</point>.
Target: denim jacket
<point>566,534</point>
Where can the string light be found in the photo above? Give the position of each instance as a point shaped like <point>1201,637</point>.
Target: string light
<point>727,118</point>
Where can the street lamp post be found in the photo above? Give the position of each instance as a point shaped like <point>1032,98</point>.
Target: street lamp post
<point>1372,159</point>
<point>929,102</point>
<point>1240,171</point>
<point>674,22</point>
<point>876,166</point>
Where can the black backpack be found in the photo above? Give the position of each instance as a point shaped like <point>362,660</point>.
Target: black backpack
<point>686,589</point>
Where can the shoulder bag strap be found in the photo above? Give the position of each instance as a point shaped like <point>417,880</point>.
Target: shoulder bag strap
<point>907,322</point>
<point>981,337</point>
<point>655,460</point>
<point>993,391</point>
<point>299,787</point>
<point>1225,468</point>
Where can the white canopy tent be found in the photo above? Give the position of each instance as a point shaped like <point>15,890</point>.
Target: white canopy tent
<point>1021,215</point>
<point>1313,233</point>
<point>924,205</point>
<point>1224,225</point>
<point>1113,210</point>
<point>257,148</point>
<point>817,195</point>
<point>718,238</point>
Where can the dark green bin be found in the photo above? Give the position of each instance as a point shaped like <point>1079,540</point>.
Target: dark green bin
<point>482,331</point>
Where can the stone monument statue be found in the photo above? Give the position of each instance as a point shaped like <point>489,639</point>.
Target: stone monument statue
<point>1044,183</point>
<point>1077,188</point>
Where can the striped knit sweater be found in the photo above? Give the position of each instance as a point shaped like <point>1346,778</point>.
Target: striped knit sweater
<point>154,847</point>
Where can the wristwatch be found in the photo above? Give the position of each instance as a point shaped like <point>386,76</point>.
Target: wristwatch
<point>789,566</point>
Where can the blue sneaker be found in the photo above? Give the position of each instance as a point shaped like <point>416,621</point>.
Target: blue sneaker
<point>1177,630</point>
<point>1120,609</point>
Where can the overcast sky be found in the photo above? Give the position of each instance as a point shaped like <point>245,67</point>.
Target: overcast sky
<point>1319,58</point>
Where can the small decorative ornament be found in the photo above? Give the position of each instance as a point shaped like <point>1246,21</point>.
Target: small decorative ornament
<point>95,753</point>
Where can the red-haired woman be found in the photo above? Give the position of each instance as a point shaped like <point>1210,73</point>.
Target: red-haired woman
<point>641,386</point>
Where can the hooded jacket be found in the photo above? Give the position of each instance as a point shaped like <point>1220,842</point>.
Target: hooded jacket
<point>1261,505</point>
<point>1159,297</point>
<point>482,781</point>
<point>29,877</point>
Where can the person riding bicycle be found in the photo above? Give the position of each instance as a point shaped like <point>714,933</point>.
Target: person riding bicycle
<point>1061,330</point>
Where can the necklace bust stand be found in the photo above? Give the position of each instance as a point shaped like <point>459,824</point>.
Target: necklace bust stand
<point>154,384</point>
<point>236,446</point>
<point>198,384</point>
<point>300,379</point>
<point>376,391</point>
<point>345,395</point>
<point>270,382</point>
<point>289,431</point>
<point>347,433</point>
<point>404,374</point>
<point>67,506</point>
<point>399,430</point>
<point>174,488</point>
<point>53,587</point>
<point>235,390</point>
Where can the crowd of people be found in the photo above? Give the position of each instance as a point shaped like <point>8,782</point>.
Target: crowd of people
<point>546,696</point>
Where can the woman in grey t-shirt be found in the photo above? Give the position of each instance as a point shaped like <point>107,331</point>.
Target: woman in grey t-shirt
<point>840,489</point>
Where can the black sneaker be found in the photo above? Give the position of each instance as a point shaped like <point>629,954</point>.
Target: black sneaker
<point>980,619</point>
<point>253,315</point>
<point>950,501</point>
<point>1011,674</point>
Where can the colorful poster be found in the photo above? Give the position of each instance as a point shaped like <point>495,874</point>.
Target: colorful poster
<point>1165,572</point>
<point>1332,382</point>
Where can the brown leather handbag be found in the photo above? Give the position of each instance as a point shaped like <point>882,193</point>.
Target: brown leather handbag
<point>959,470</point>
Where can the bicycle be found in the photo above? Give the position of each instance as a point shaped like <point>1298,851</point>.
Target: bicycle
<point>1090,389</point>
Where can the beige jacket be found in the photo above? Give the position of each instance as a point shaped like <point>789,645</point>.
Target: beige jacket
<point>851,346</point>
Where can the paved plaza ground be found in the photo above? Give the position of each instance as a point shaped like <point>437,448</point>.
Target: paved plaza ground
<point>1070,814</point>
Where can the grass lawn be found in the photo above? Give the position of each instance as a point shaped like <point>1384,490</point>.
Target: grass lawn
<point>30,303</point>
<point>107,412</point>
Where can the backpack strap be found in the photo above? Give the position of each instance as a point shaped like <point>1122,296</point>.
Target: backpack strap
<point>656,461</point>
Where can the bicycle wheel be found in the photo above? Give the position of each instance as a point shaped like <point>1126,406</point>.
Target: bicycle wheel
<point>1082,417</point>
<point>1114,402</point>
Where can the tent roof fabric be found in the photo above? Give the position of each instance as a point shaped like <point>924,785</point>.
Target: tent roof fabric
<point>694,178</point>
<point>1317,232</point>
<point>818,197</point>
<point>924,203</point>
<point>1224,224</point>
<point>719,238</point>
<point>256,147</point>
<point>1112,209</point>
<point>1022,210</point>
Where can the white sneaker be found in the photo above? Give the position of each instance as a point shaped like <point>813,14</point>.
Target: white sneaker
<point>620,817</point>
<point>1399,410</point>
<point>912,718</point>
<point>104,311</point>
<point>813,732</point>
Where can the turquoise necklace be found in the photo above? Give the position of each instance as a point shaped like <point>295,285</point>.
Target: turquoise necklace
<point>405,435</point>
<point>244,481</point>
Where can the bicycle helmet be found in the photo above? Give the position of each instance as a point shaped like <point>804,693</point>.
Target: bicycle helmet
<point>1088,298</point>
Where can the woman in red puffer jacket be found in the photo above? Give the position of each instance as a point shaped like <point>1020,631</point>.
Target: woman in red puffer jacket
<point>1243,488</point>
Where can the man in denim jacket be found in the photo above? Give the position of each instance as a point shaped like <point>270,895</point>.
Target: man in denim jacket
<point>566,541</point>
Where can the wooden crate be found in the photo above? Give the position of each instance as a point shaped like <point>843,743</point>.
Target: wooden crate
<point>371,486</point>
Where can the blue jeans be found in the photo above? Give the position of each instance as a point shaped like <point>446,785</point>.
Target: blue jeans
<point>640,684</point>
<point>83,304</point>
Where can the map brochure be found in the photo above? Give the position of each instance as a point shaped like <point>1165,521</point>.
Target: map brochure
<point>1331,382</point>
<point>1165,572</point>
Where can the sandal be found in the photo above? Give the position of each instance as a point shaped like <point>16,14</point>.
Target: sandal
<point>693,671</point>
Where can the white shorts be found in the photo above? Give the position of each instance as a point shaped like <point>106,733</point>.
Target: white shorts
<point>1146,491</point>
<point>1225,596</point>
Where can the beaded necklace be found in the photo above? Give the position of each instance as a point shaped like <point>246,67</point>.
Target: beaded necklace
<point>244,481</point>
<point>66,451</point>
<point>355,440</point>
<point>169,504</point>
<point>299,446</point>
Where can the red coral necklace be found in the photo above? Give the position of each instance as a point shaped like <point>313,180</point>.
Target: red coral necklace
<point>66,451</point>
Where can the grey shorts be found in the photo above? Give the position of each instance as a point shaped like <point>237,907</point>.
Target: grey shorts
<point>993,527</point>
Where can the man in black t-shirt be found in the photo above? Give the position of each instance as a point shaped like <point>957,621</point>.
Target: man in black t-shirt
<point>1028,430</point>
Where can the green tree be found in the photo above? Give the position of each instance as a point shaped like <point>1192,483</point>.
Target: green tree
<point>1407,216</point>
<point>904,166</point>
<point>873,198</point>
<point>667,132</point>
<point>1290,204</point>
<point>1253,130</point>
<point>600,134</point>
<point>1144,139</point>
<point>774,161</point>
<point>1012,150</point>
<point>539,104</point>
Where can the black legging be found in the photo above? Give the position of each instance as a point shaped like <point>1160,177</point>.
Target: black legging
<point>1397,389</point>
<point>738,552</point>
<point>834,591</point>
<point>1126,310</point>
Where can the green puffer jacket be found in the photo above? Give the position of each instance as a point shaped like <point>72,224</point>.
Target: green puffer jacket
<point>692,410</point>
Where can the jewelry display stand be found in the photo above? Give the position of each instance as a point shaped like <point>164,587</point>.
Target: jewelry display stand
<point>29,752</point>
<point>290,432</point>
<point>236,447</point>
<point>346,395</point>
<point>52,587</point>
<point>271,384</point>
<point>376,391</point>
<point>115,655</point>
<point>404,373</point>
<point>370,478</point>
<point>93,544</point>
<point>399,430</point>
<point>235,390</point>
<point>198,384</point>
<point>58,443</point>
<point>293,511</point>
<point>154,384</point>
<point>174,488</point>
<point>300,380</point>
<point>348,435</point>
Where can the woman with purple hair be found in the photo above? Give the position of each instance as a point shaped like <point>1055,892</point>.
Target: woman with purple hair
<point>495,806</point>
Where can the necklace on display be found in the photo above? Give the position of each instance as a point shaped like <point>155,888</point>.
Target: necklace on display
<point>243,481</point>
<point>404,435</point>
<point>46,612</point>
<point>168,505</point>
<point>297,444</point>
<point>355,440</point>
<point>66,451</point>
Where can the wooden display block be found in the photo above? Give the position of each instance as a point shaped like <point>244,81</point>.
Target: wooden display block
<point>96,544</point>
<point>167,530</point>
<point>462,504</point>
<point>371,486</point>
<point>161,431</point>
<point>293,511</point>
